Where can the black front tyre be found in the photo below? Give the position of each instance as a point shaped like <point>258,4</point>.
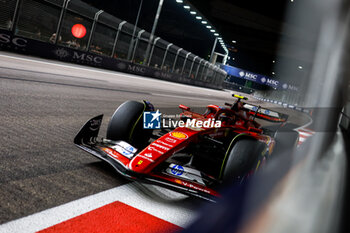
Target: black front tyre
<point>126,124</point>
<point>241,158</point>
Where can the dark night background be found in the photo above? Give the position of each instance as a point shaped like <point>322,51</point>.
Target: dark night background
<point>256,48</point>
<point>175,24</point>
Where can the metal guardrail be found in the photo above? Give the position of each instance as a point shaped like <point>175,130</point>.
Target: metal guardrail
<point>51,21</point>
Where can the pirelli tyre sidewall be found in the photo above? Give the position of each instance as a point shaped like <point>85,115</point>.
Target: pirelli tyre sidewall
<point>241,158</point>
<point>126,124</point>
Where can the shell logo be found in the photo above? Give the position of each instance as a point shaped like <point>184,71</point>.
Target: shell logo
<point>179,135</point>
<point>178,181</point>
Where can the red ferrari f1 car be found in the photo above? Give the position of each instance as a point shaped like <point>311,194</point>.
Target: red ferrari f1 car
<point>188,159</point>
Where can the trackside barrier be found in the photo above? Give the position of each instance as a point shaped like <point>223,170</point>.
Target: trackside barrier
<point>37,48</point>
<point>285,105</point>
<point>236,87</point>
<point>73,31</point>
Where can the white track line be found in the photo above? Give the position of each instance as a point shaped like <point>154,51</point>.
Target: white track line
<point>303,127</point>
<point>184,97</point>
<point>127,194</point>
<point>70,66</point>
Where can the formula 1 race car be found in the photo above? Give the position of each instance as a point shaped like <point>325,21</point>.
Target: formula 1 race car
<point>195,157</point>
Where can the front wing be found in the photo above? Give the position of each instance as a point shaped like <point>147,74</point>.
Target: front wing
<point>86,140</point>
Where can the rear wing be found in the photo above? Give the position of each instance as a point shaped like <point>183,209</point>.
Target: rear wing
<point>265,114</point>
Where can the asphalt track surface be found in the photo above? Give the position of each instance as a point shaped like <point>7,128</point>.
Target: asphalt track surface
<point>43,105</point>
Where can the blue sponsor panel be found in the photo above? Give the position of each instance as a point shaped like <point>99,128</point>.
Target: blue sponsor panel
<point>177,170</point>
<point>258,78</point>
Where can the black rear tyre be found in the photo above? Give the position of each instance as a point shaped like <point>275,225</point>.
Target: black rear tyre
<point>286,141</point>
<point>126,124</point>
<point>241,158</point>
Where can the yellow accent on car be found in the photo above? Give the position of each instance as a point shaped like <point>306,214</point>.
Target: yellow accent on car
<point>178,181</point>
<point>179,135</point>
<point>133,127</point>
<point>257,166</point>
<point>228,149</point>
<point>240,97</point>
